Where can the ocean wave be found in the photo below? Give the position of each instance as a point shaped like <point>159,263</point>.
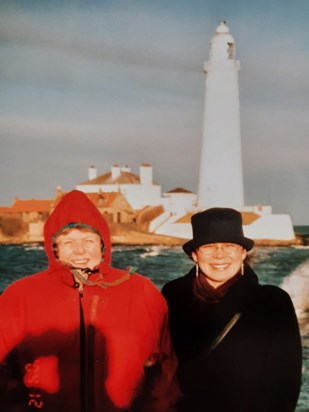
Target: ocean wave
<point>33,247</point>
<point>297,286</point>
<point>151,251</point>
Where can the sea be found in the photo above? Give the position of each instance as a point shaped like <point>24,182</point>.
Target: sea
<point>286,267</point>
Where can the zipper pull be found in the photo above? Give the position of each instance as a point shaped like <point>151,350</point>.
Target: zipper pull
<point>80,287</point>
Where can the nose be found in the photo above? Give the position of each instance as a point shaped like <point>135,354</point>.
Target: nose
<point>219,251</point>
<point>79,248</point>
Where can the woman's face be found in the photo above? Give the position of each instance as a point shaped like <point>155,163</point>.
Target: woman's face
<point>219,262</point>
<point>79,248</point>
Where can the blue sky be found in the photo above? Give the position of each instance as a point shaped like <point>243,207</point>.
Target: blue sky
<point>105,82</point>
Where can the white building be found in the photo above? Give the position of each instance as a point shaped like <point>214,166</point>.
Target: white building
<point>179,205</point>
<point>139,191</point>
<point>179,201</point>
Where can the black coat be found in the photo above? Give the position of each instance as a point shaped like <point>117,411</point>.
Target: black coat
<point>256,367</point>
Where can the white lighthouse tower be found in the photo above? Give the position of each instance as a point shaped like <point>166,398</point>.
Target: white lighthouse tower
<point>221,175</point>
<point>221,179</point>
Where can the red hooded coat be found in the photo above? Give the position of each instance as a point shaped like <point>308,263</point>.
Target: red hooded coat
<point>61,351</point>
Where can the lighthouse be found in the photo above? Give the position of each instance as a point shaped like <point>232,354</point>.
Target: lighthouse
<point>221,178</point>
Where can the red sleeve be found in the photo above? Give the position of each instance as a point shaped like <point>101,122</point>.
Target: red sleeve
<point>11,330</point>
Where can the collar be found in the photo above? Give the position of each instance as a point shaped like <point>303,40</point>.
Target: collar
<point>207,293</point>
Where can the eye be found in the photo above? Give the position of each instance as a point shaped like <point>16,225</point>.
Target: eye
<point>231,248</point>
<point>207,249</point>
<point>89,241</point>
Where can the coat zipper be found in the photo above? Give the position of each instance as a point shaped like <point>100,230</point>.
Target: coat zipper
<point>87,352</point>
<point>83,358</point>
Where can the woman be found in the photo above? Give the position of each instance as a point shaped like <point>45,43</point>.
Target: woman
<point>237,342</point>
<point>83,336</point>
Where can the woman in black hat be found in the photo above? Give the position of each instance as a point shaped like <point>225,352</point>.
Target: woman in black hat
<point>237,342</point>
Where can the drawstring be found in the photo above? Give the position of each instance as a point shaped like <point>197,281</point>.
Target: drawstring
<point>81,275</point>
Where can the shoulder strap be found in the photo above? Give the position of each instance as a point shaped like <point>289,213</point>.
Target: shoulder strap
<point>224,332</point>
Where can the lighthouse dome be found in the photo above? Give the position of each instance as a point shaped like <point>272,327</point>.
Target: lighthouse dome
<point>222,28</point>
<point>222,45</point>
<point>222,33</point>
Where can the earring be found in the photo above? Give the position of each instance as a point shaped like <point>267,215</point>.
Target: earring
<point>242,269</point>
<point>196,270</point>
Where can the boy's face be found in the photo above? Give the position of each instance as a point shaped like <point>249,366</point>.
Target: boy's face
<point>79,248</point>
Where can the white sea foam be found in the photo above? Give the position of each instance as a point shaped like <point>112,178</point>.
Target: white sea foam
<point>33,247</point>
<point>297,286</point>
<point>151,251</point>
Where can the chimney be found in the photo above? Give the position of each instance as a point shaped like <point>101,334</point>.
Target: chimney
<point>116,170</point>
<point>92,172</point>
<point>145,172</point>
<point>58,192</point>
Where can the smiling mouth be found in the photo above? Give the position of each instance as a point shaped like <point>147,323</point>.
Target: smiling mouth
<point>80,262</point>
<point>221,266</point>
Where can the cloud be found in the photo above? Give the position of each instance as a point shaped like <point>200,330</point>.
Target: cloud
<point>275,70</point>
<point>108,37</point>
<point>83,84</point>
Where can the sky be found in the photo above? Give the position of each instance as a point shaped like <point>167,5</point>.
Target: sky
<point>121,82</point>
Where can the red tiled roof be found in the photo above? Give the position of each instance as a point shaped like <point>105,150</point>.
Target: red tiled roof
<point>249,217</point>
<point>179,190</point>
<point>107,199</point>
<point>185,218</point>
<point>106,179</point>
<point>4,209</point>
<point>33,205</point>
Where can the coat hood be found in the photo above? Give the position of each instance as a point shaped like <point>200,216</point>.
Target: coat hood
<point>75,207</point>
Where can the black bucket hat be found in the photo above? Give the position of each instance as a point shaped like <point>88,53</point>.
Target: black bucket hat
<point>217,225</point>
